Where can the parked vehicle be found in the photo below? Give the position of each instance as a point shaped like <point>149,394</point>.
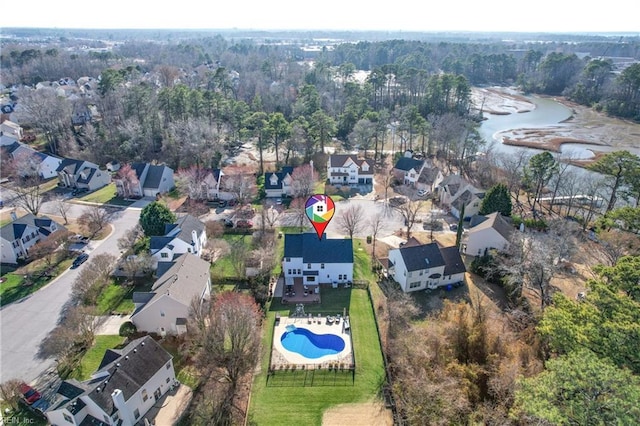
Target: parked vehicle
<point>30,394</point>
<point>80,260</point>
<point>222,203</point>
<point>422,192</point>
<point>244,224</point>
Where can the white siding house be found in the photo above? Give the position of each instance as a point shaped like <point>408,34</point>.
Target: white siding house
<point>407,170</point>
<point>151,181</point>
<point>17,237</point>
<point>425,266</point>
<point>165,309</point>
<point>346,169</point>
<point>187,235</point>
<point>10,132</point>
<point>278,184</point>
<point>492,233</point>
<point>316,261</point>
<point>82,174</point>
<point>127,384</point>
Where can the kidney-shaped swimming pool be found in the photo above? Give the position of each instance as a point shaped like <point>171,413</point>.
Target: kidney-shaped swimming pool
<point>311,345</point>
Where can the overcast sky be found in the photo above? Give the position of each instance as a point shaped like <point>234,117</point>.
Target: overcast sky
<point>394,15</point>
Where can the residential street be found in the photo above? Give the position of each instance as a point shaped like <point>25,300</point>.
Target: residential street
<point>24,324</point>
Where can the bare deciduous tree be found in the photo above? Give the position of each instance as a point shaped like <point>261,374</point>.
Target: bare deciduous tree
<point>190,181</point>
<point>62,207</point>
<point>27,183</point>
<point>242,186</point>
<point>91,280</point>
<point>303,181</point>
<point>297,206</point>
<point>10,393</point>
<point>376,223</point>
<point>129,239</point>
<point>351,220</point>
<point>238,256</point>
<point>409,212</point>
<point>49,247</point>
<point>226,342</point>
<point>94,219</point>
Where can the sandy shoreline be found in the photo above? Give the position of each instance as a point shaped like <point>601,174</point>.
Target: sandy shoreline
<point>597,131</point>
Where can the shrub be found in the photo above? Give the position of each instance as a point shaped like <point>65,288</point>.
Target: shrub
<point>127,329</point>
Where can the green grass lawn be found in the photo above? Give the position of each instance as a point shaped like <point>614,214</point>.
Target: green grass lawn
<point>116,298</point>
<point>22,416</point>
<point>15,288</point>
<point>185,373</point>
<point>106,195</point>
<point>91,359</point>
<point>272,405</point>
<point>223,267</point>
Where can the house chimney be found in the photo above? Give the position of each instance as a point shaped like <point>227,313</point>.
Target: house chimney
<point>118,401</point>
<point>311,164</point>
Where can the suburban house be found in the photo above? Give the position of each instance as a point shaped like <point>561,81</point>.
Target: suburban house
<point>211,186</point>
<point>347,169</point>
<point>31,161</point>
<point>82,174</point>
<point>21,234</point>
<point>150,181</point>
<point>278,184</point>
<point>492,233</point>
<point>317,261</point>
<point>425,266</point>
<point>128,382</point>
<point>407,170</point>
<point>10,132</point>
<point>455,192</point>
<point>187,235</point>
<point>165,309</point>
<point>429,179</point>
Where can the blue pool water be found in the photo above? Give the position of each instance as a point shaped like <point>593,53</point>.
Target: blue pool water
<point>311,345</point>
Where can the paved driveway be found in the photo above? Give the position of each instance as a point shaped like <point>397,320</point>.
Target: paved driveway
<point>25,324</point>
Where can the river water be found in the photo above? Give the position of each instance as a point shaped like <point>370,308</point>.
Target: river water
<point>547,113</point>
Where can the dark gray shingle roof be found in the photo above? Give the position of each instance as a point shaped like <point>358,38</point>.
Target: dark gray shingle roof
<point>313,250</point>
<point>406,164</point>
<point>422,257</point>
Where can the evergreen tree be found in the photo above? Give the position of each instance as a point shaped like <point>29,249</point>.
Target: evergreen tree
<point>497,199</point>
<point>154,217</point>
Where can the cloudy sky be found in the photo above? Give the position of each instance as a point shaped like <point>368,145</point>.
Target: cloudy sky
<point>404,15</point>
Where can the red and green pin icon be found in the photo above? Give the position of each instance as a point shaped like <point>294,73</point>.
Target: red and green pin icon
<point>319,209</point>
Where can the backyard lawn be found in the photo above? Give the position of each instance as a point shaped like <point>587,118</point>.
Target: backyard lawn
<point>223,267</point>
<point>91,359</point>
<point>271,405</point>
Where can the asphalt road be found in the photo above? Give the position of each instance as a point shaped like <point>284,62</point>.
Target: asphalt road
<point>24,324</point>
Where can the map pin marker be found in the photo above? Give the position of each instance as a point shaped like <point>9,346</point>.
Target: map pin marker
<point>319,209</point>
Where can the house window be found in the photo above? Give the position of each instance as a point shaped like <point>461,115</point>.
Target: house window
<point>144,396</point>
<point>322,266</point>
<point>288,259</point>
<point>299,272</point>
<point>136,413</point>
<point>168,366</point>
<point>311,279</point>
<point>67,418</point>
<point>421,272</point>
<point>405,273</point>
<point>161,313</point>
<point>415,284</point>
<point>168,380</point>
<point>289,272</point>
<point>164,255</point>
<point>308,266</point>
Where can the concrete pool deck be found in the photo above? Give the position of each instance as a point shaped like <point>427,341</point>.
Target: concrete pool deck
<point>318,325</point>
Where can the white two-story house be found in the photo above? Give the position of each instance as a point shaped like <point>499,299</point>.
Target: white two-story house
<point>22,233</point>
<point>30,162</point>
<point>425,266</point>
<point>128,382</point>
<point>347,169</point>
<point>187,235</point>
<point>407,170</point>
<point>82,174</point>
<point>10,132</point>
<point>315,261</point>
<point>278,184</point>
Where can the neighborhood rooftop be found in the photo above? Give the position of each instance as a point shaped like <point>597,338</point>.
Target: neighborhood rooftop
<point>313,250</point>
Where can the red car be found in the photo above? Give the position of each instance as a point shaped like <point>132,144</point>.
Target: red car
<point>30,394</point>
<point>244,224</point>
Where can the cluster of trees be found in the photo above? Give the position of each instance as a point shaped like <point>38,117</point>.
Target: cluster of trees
<point>224,343</point>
